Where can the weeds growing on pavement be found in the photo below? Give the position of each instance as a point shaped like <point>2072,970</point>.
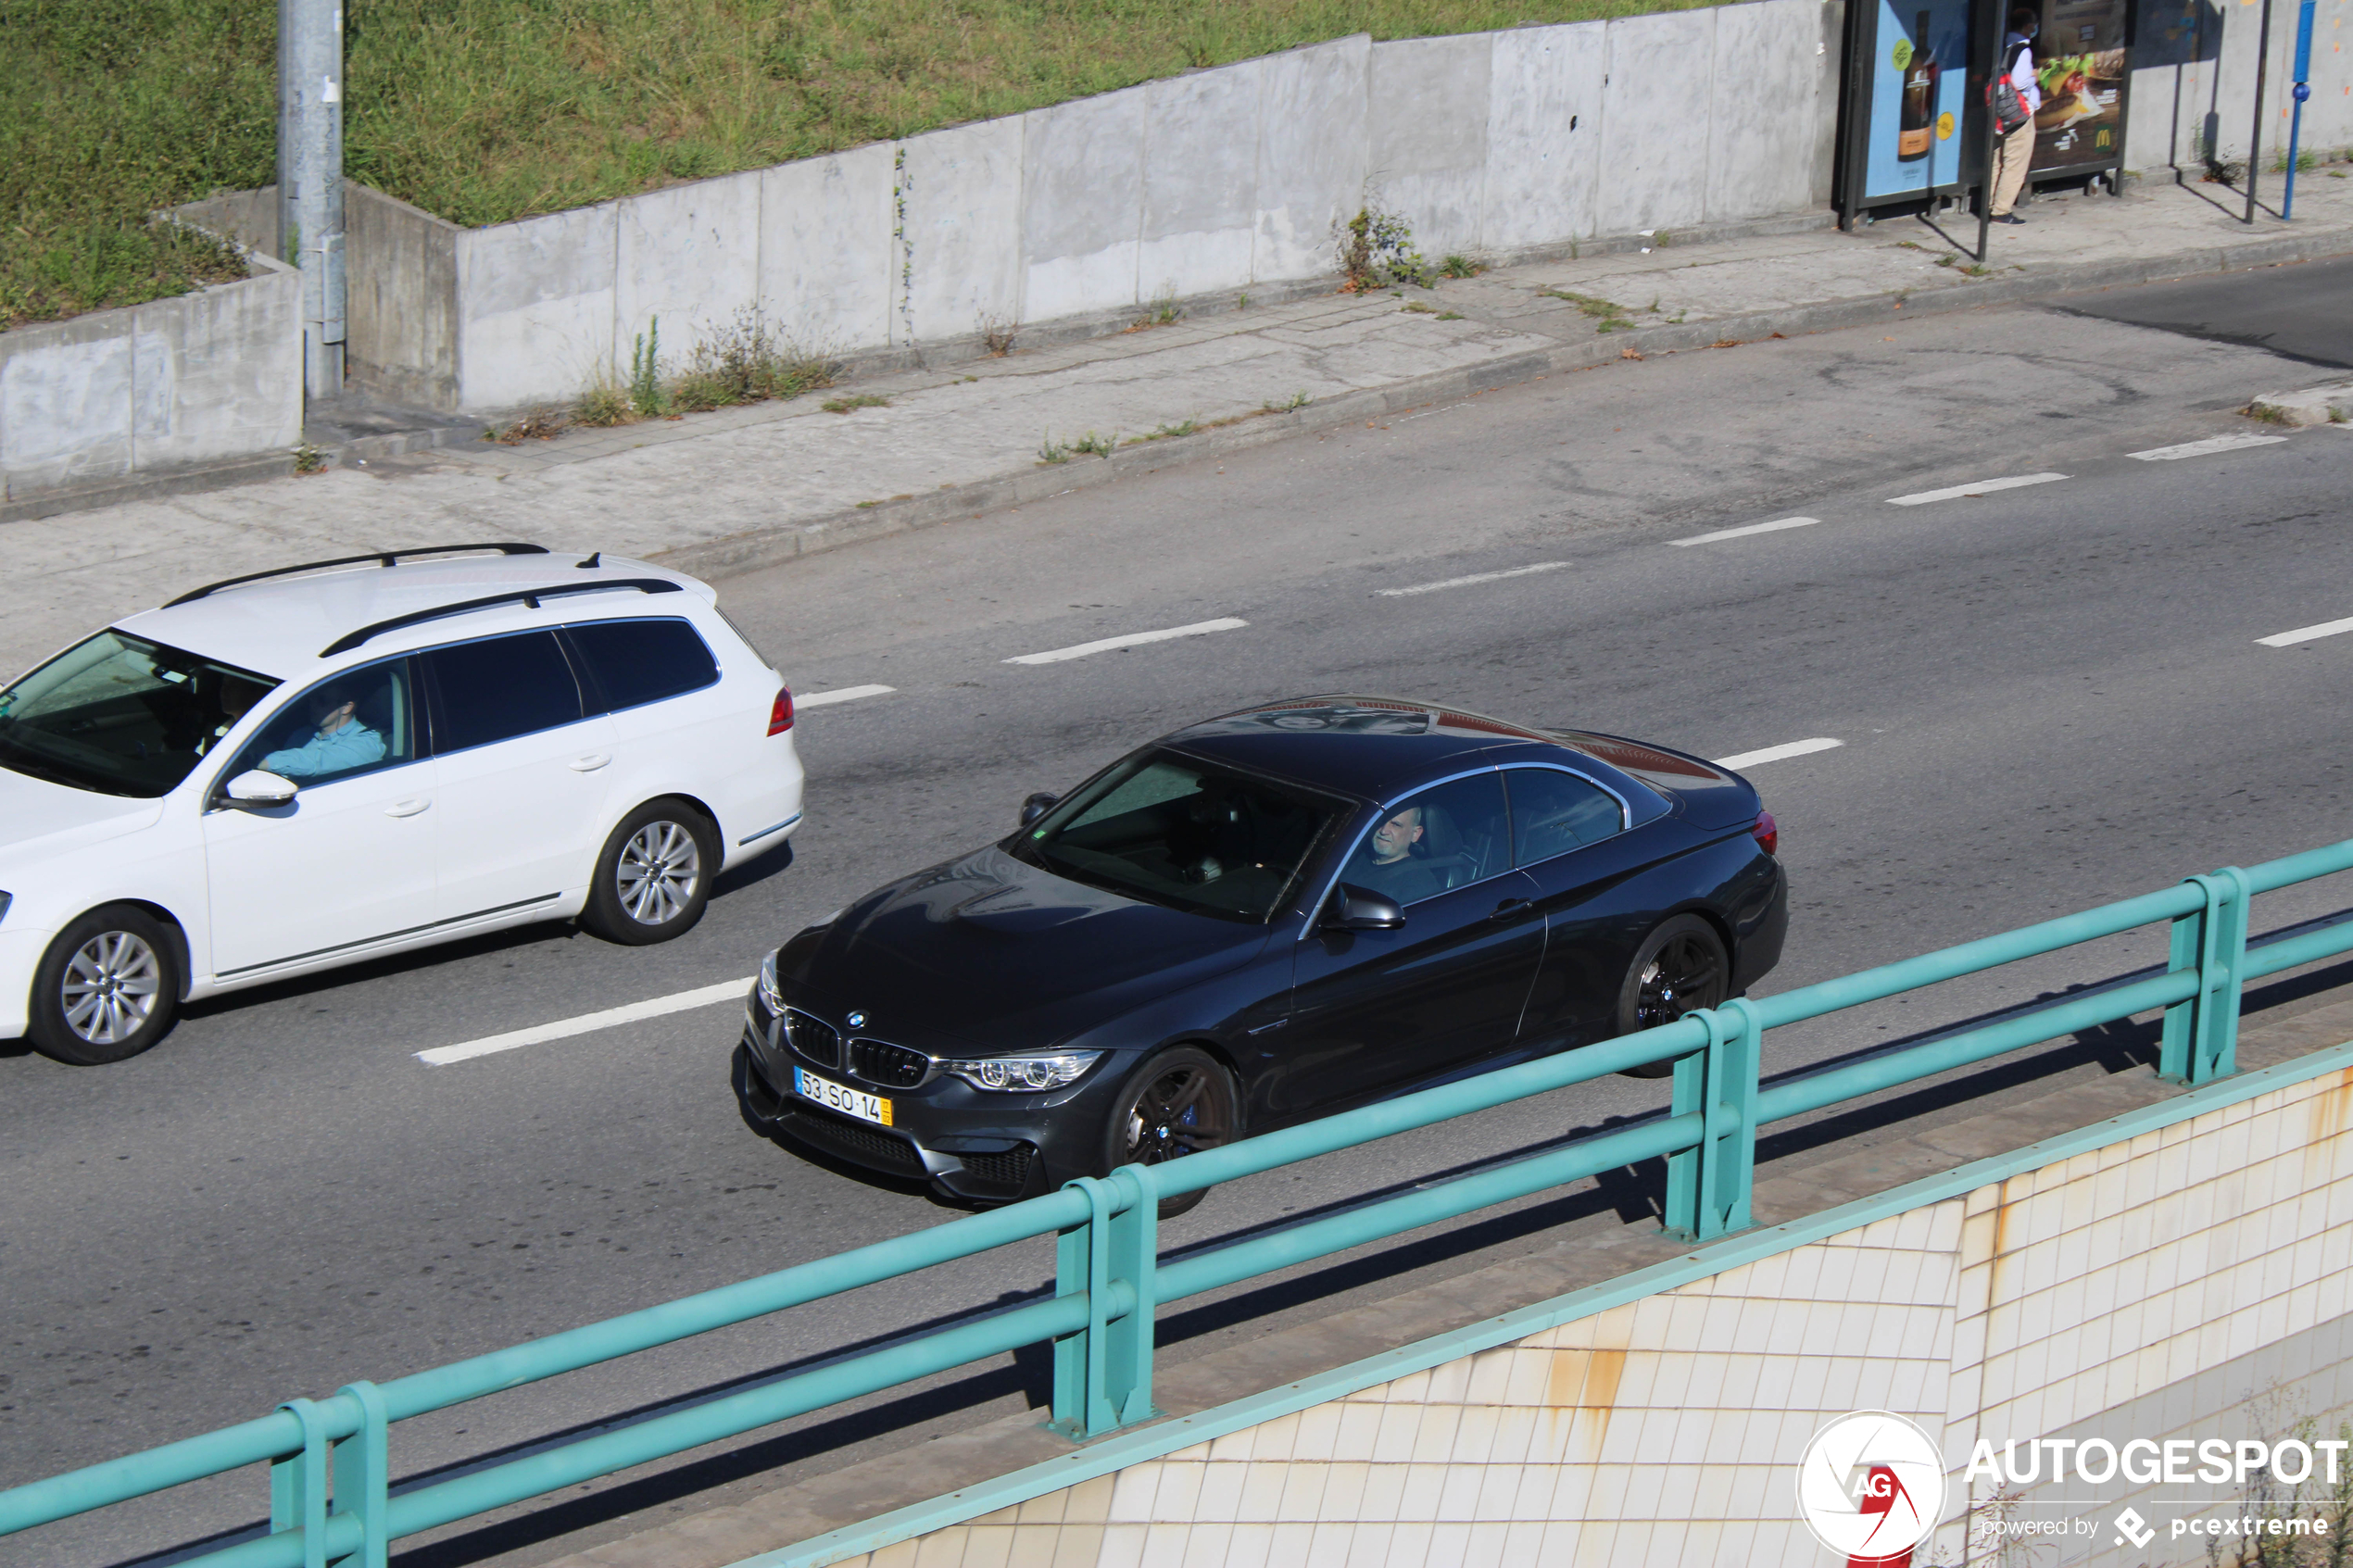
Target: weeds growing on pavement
<point>1458,266</point>
<point>1096,446</point>
<point>1164,433</point>
<point>1607,316</point>
<point>602,404</point>
<point>854,401</point>
<point>541,423</point>
<point>1052,451</point>
<point>1295,401</point>
<point>746,361</point>
<point>647,397</point>
<point>1376,252</point>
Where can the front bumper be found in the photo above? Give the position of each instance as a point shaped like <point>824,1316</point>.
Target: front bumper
<point>21,950</point>
<point>974,1144</point>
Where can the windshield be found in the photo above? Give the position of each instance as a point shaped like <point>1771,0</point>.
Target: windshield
<point>1172,831</point>
<point>120,715</point>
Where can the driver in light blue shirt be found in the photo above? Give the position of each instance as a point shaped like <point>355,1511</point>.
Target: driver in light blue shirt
<point>340,743</point>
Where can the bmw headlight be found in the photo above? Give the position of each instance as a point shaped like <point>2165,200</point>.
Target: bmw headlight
<point>770,993</point>
<point>1023,1074</point>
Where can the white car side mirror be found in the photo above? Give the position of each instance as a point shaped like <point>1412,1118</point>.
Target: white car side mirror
<point>256,788</point>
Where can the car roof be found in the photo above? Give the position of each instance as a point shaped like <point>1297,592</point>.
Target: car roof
<point>280,626</point>
<point>1371,746</point>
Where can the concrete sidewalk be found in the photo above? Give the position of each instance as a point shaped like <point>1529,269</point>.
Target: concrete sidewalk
<point>739,488</point>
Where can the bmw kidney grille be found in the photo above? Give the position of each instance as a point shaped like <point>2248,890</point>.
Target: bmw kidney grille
<point>893,1067</point>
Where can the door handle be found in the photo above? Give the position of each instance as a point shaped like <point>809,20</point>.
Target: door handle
<point>1508,907</point>
<point>407,808</point>
<point>589,763</point>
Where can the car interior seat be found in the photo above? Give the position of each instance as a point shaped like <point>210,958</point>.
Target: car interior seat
<point>381,707</point>
<point>1586,821</point>
<point>1444,846</point>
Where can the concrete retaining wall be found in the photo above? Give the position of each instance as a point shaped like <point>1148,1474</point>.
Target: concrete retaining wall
<point>401,286</point>
<point>2194,86</point>
<point>1219,180</point>
<point>1232,179</point>
<point>144,392</point>
<point>2190,1283</point>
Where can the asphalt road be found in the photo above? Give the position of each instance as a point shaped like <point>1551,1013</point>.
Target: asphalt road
<point>2046,696</point>
<point>2297,312</point>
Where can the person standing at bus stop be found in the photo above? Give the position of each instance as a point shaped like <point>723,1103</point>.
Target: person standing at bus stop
<point>2014,152</point>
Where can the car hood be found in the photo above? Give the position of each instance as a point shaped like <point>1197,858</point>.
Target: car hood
<point>39,819</point>
<point>989,953</point>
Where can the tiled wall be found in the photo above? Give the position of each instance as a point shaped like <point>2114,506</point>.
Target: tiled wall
<point>2123,1293</point>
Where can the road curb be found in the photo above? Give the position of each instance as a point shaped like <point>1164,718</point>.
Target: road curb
<point>239,470</point>
<point>755,550</point>
<point>2330,403</point>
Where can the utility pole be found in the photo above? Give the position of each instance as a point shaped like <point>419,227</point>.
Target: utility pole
<point>310,180</point>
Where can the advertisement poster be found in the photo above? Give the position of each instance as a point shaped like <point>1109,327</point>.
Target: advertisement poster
<point>1919,79</point>
<point>2078,63</point>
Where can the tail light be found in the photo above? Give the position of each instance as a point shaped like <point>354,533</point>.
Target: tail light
<point>1768,832</point>
<point>780,712</point>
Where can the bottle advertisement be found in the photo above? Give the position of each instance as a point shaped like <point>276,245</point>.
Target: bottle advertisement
<point>1919,83</point>
<point>2078,64</point>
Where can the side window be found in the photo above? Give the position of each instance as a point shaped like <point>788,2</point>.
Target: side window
<point>501,687</point>
<point>1553,813</point>
<point>642,662</point>
<point>1439,840</point>
<point>354,722</point>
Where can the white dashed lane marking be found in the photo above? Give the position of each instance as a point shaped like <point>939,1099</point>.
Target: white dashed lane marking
<point>1747,529</point>
<point>1132,639</point>
<point>2207,448</point>
<point>635,1012</point>
<point>1981,487</point>
<point>845,694</point>
<point>1777,752</point>
<point>1473,577</point>
<point>2304,634</point>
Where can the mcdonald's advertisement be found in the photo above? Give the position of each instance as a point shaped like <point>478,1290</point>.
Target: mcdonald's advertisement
<point>2080,66</point>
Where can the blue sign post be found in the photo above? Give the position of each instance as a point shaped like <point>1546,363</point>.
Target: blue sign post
<point>2303,74</point>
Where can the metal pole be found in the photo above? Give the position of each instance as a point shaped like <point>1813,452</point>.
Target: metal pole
<point>1985,168</point>
<point>2255,137</point>
<point>2303,74</point>
<point>310,179</point>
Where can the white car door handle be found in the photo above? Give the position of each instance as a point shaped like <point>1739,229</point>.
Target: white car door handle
<point>407,808</point>
<point>589,763</point>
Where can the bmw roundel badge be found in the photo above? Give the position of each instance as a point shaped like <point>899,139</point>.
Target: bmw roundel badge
<point>857,1021</point>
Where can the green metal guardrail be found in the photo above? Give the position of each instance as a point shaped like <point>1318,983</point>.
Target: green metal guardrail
<point>330,1501</point>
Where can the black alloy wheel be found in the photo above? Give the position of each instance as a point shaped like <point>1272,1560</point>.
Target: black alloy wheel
<point>107,989</point>
<point>1679,967</point>
<point>1180,1103</point>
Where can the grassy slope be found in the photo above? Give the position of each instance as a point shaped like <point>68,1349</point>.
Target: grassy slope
<point>487,110</point>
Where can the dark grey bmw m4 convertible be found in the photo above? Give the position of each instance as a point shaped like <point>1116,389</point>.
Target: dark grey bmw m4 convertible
<point>1261,918</point>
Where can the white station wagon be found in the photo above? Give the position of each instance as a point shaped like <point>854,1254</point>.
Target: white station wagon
<point>304,768</point>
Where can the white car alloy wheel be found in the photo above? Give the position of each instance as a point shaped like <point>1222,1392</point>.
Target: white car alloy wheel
<point>109,988</point>
<point>658,872</point>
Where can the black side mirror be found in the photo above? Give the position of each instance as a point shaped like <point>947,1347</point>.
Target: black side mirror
<point>1361,908</point>
<point>1036,806</point>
